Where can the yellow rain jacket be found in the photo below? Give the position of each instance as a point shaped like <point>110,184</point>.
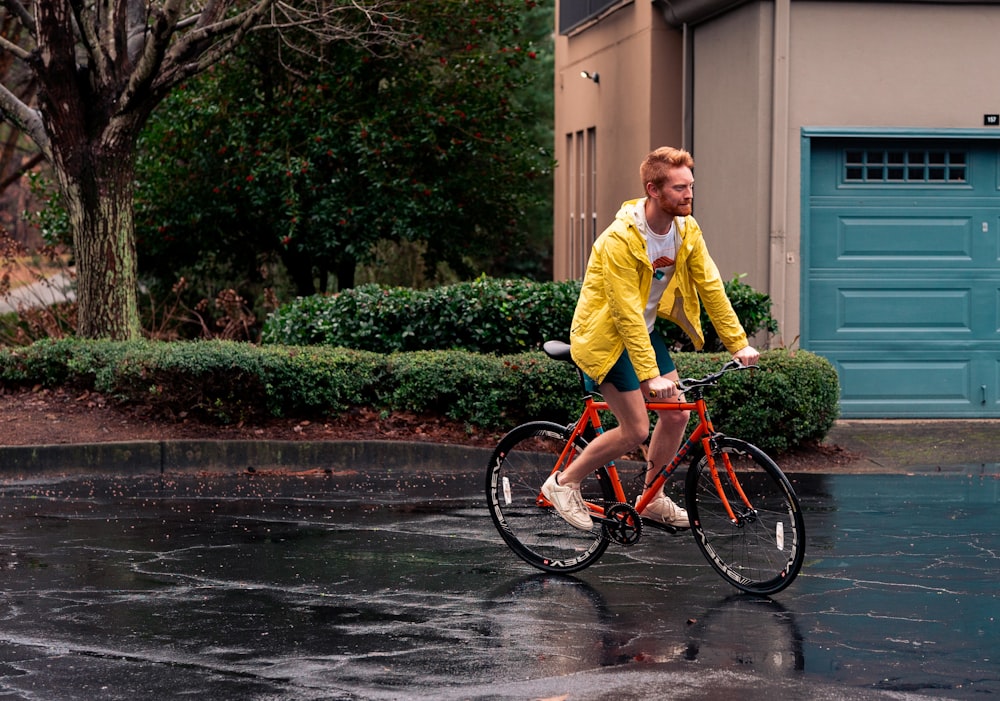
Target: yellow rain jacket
<point>609,314</point>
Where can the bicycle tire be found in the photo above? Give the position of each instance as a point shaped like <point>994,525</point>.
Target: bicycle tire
<point>522,461</point>
<point>763,551</point>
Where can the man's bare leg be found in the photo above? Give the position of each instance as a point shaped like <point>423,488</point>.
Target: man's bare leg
<point>663,444</point>
<point>632,430</point>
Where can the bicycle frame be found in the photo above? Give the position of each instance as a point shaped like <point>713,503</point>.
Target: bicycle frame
<point>702,434</point>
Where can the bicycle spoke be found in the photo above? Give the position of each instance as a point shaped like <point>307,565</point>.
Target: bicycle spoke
<point>520,465</point>
<point>761,550</point>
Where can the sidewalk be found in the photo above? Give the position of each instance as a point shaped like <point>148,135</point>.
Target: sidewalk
<point>893,445</point>
<point>58,288</point>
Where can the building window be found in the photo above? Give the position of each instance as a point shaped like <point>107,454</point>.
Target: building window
<point>905,166</point>
<point>581,147</point>
<point>573,13</point>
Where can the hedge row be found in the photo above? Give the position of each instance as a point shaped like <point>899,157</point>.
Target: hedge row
<point>792,400</point>
<point>484,316</point>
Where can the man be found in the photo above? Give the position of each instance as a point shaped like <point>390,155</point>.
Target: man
<point>651,261</point>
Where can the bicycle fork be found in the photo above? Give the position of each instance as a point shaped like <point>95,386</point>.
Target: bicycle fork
<point>711,450</point>
<point>710,447</point>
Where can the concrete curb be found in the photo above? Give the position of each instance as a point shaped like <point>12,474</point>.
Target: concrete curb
<point>880,446</point>
<point>161,457</point>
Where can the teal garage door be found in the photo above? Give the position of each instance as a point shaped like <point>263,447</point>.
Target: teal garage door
<point>901,288</point>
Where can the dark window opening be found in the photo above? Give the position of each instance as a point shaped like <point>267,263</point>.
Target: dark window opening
<point>891,166</point>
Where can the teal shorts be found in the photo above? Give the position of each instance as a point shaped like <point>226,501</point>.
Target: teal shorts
<point>622,375</point>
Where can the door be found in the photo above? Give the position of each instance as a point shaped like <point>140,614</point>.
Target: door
<point>902,276</point>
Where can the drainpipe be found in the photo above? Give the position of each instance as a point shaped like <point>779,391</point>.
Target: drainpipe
<point>687,89</point>
<point>682,14</point>
<point>780,258</point>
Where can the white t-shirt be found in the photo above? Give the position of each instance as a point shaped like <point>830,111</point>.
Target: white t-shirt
<point>662,250</point>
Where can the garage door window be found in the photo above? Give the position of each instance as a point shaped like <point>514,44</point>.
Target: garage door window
<point>904,166</point>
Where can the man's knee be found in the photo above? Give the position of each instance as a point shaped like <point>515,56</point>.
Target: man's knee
<point>636,433</point>
<point>676,419</point>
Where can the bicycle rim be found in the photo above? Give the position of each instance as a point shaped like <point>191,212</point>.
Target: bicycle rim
<point>762,552</point>
<point>521,463</point>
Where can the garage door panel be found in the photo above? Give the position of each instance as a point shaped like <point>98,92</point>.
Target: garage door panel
<point>906,384</point>
<point>919,167</point>
<point>876,377</point>
<point>894,310</point>
<point>993,380</point>
<point>857,239</point>
<point>992,237</point>
<point>995,320</point>
<point>923,240</point>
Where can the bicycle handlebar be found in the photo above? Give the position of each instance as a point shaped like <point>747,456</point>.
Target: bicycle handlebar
<point>560,350</point>
<point>688,383</point>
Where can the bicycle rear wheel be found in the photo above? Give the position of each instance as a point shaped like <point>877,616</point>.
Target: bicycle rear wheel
<point>761,551</point>
<point>521,463</point>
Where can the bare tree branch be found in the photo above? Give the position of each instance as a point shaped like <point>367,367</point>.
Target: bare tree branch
<point>115,22</point>
<point>359,22</point>
<point>14,49</point>
<point>148,65</point>
<point>209,27</point>
<point>180,71</point>
<point>20,171</point>
<point>90,39</point>
<point>188,22</point>
<point>21,12</point>
<point>24,118</point>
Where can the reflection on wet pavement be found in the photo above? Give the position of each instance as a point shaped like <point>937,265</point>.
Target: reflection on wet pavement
<point>382,586</point>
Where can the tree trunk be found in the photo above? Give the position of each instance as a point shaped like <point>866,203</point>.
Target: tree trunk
<point>300,270</point>
<point>99,207</point>
<point>92,141</point>
<point>346,267</point>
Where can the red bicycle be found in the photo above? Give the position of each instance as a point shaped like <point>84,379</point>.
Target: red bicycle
<point>743,512</point>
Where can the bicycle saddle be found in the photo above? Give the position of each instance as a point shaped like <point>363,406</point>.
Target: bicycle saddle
<point>557,350</point>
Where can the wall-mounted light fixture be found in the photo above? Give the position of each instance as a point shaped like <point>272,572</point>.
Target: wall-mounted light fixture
<point>595,76</point>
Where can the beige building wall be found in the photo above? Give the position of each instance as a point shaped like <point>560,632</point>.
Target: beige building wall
<point>732,125</point>
<point>761,71</point>
<point>632,109</point>
<point>881,65</point>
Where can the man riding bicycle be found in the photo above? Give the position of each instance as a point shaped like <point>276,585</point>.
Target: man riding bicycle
<point>650,262</point>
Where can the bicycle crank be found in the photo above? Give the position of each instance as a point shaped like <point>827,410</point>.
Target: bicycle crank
<point>622,524</point>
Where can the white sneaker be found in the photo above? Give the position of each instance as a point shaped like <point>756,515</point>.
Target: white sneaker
<point>664,510</point>
<point>568,503</point>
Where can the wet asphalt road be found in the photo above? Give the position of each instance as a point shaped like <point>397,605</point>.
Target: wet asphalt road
<point>394,585</point>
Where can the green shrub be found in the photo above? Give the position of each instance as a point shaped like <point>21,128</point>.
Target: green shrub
<point>485,316</point>
<point>212,380</point>
<point>50,362</point>
<point>791,400</point>
<point>319,381</point>
<point>462,386</point>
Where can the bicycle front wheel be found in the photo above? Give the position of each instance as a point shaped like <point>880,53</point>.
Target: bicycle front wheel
<point>758,542</point>
<point>521,463</point>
